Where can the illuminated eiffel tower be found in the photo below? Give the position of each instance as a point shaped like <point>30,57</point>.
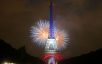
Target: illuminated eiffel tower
<point>51,55</point>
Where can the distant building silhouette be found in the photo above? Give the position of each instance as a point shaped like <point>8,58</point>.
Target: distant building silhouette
<point>20,56</point>
<point>90,58</point>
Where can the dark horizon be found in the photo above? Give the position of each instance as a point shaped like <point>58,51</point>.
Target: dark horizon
<point>20,56</point>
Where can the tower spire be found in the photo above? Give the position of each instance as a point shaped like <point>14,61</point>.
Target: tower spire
<point>51,26</point>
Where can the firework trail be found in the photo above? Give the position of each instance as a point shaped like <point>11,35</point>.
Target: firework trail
<point>40,34</point>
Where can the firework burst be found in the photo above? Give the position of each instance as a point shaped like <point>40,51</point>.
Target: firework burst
<point>40,34</point>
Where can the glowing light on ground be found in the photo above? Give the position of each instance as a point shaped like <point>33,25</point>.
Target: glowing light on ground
<point>8,63</point>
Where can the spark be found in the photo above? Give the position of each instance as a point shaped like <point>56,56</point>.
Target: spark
<point>40,32</point>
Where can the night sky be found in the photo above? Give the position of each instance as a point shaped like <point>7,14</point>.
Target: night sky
<point>82,19</point>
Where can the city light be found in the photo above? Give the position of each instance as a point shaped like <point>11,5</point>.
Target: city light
<point>8,63</point>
